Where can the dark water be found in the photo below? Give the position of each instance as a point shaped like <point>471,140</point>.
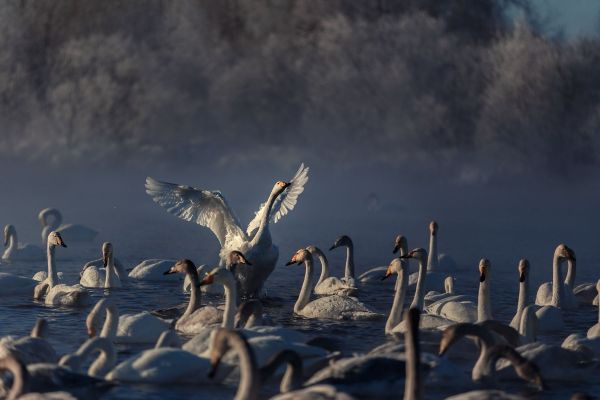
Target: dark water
<point>17,315</point>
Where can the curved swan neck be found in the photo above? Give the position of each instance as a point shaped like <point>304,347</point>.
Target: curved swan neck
<point>111,278</point>
<point>484,306</point>
<point>48,227</point>
<point>571,273</point>
<point>263,234</point>
<point>20,376</point>
<point>485,339</point>
<point>413,388</point>
<point>292,379</point>
<point>522,302</point>
<point>109,328</point>
<point>419,296</point>
<point>349,269</point>
<point>52,274</point>
<point>304,296</point>
<point>557,285</point>
<point>230,304</point>
<point>324,266</point>
<point>528,325</point>
<point>106,357</point>
<point>13,242</point>
<point>432,259</point>
<point>40,329</point>
<point>195,296</point>
<point>249,386</point>
<point>395,316</point>
<point>168,339</point>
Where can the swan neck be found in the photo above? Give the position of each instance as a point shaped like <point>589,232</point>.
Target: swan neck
<point>195,296</point>
<point>293,377</point>
<point>52,274</point>
<point>112,278</point>
<point>19,374</point>
<point>571,273</point>
<point>522,302</point>
<point>249,386</point>
<point>230,301</point>
<point>324,267</point>
<point>13,242</point>
<point>432,255</point>
<point>418,299</point>
<point>557,285</point>
<point>109,329</point>
<point>395,316</point>
<point>263,234</point>
<point>528,326</point>
<point>105,360</point>
<point>413,386</point>
<point>484,306</point>
<point>304,296</point>
<point>349,270</point>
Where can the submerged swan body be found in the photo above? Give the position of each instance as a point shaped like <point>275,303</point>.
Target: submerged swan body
<point>30,349</point>
<point>328,307</point>
<point>209,208</point>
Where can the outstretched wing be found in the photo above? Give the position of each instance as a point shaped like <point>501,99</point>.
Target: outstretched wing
<point>285,202</point>
<point>205,207</point>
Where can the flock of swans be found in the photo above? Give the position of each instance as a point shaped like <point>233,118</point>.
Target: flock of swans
<point>230,340</point>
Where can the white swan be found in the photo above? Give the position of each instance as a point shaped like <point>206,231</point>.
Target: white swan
<point>433,296</point>
<point>30,349</point>
<point>19,252</point>
<point>523,300</point>
<point>12,285</point>
<point>328,307</point>
<point>546,293</point>
<point>202,270</point>
<point>345,241</point>
<point>209,208</point>
<point>435,278</point>
<point>467,311</point>
<point>59,294</point>
<point>550,316</point>
<point>110,276</point>
<point>104,362</point>
<point>374,274</point>
<point>128,328</point>
<point>329,284</point>
<point>594,330</point>
<point>70,232</point>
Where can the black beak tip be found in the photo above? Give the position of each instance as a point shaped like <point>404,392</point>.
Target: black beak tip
<point>166,272</point>
<point>63,245</point>
<point>332,247</point>
<point>395,250</point>
<point>248,262</point>
<point>383,278</point>
<point>289,263</point>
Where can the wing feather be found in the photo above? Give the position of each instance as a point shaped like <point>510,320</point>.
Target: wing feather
<point>204,207</point>
<point>285,202</point>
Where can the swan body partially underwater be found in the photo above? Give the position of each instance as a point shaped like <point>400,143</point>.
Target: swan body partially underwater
<point>328,285</point>
<point>30,349</point>
<point>210,209</point>
<point>16,251</point>
<point>51,220</point>
<point>110,275</point>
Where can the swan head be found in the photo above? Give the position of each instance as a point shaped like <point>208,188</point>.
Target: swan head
<point>484,269</point>
<point>8,230</point>
<point>563,252</point>
<point>237,257</point>
<point>394,267</point>
<point>400,243</point>
<point>219,275</point>
<point>280,186</point>
<point>299,257</point>
<point>183,266</point>
<point>418,254</point>
<point>54,240</point>
<point>343,240</point>
<point>107,252</point>
<point>220,343</point>
<point>523,269</point>
<point>433,228</point>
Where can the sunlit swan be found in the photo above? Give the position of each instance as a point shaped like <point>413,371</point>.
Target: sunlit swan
<point>374,274</point>
<point>30,349</point>
<point>548,292</point>
<point>19,252</point>
<point>104,362</point>
<point>129,328</point>
<point>467,311</point>
<point>209,208</point>
<point>110,276</point>
<point>70,232</point>
<point>153,270</point>
<point>594,331</point>
<point>328,307</point>
<point>49,377</point>
<point>550,316</point>
<point>59,294</point>
<point>523,292</point>
<point>435,278</point>
<point>329,284</point>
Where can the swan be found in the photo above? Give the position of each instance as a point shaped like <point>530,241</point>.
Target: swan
<point>329,284</point>
<point>523,292</point>
<point>152,270</point>
<point>546,293</point>
<point>16,285</point>
<point>30,349</point>
<point>550,316</point>
<point>467,311</point>
<point>71,232</point>
<point>328,307</point>
<point>59,294</point>
<point>346,242</point>
<point>583,293</point>
<point>202,270</point>
<point>49,377</point>
<point>433,296</point>
<point>435,278</point>
<point>209,208</point>
<point>374,274</point>
<point>588,347</point>
<point>129,328</point>
<point>594,331</point>
<point>110,276</point>
<point>102,364</point>
<point>19,252</point>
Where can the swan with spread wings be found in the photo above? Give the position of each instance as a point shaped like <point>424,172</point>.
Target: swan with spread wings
<point>210,209</point>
